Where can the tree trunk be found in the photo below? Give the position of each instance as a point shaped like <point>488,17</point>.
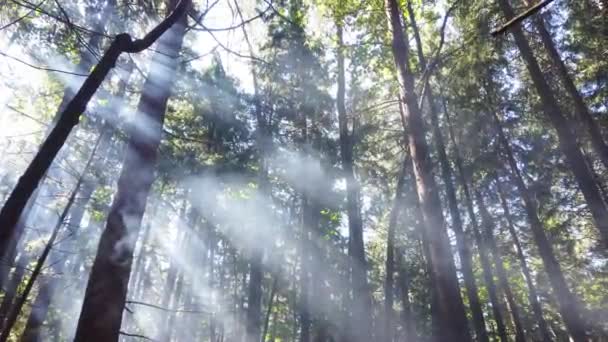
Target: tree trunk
<point>532,292</point>
<point>567,140</point>
<point>16,308</point>
<point>447,174</point>
<point>106,291</point>
<point>581,109</point>
<point>483,250</point>
<point>69,118</point>
<point>452,316</point>
<point>568,303</point>
<point>360,325</point>
<point>488,223</point>
<point>273,290</point>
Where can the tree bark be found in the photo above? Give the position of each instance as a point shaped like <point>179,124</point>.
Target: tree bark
<point>464,250</point>
<point>532,292</point>
<point>451,312</point>
<point>16,308</point>
<point>361,311</point>
<point>488,223</point>
<point>69,118</point>
<point>106,291</point>
<point>580,108</point>
<point>569,306</point>
<point>567,140</point>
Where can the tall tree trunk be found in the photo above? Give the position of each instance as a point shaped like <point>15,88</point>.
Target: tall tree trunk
<point>360,325</point>
<point>263,142</point>
<point>569,306</point>
<point>447,174</point>
<point>483,250</point>
<point>47,288</point>
<point>20,301</point>
<point>451,312</point>
<point>488,224</point>
<point>581,109</point>
<point>567,140</point>
<point>532,292</point>
<point>389,265</point>
<point>106,291</point>
<point>69,118</point>
<point>87,60</point>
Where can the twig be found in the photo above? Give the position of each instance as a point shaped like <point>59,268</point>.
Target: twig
<point>23,17</point>
<point>165,309</point>
<point>135,335</point>
<point>42,68</point>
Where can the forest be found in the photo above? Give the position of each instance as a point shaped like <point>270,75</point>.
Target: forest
<point>304,170</point>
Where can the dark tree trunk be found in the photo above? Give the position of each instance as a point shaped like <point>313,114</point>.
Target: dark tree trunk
<point>451,312</point>
<point>532,292</point>
<point>360,325</point>
<point>106,291</point>
<point>47,288</point>
<point>569,306</point>
<point>447,174</point>
<point>69,118</point>
<point>567,140</point>
<point>11,287</point>
<point>483,250</point>
<point>17,306</point>
<point>488,224</point>
<point>581,109</point>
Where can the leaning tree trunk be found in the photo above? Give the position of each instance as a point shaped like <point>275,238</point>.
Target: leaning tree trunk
<point>581,109</point>
<point>488,224</point>
<point>87,60</point>
<point>69,118</point>
<point>567,140</point>
<point>464,251</point>
<point>106,291</point>
<point>532,292</point>
<point>451,312</point>
<point>569,306</point>
<point>20,301</point>
<point>360,325</point>
<point>48,287</point>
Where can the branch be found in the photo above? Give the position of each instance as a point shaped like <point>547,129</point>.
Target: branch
<point>135,335</point>
<point>23,16</point>
<point>42,68</point>
<point>139,45</point>
<point>165,309</point>
<point>521,17</point>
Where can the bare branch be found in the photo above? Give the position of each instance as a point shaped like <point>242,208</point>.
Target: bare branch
<point>521,17</point>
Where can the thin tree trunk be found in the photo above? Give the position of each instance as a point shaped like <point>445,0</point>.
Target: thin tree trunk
<point>452,316</point>
<point>273,290</point>
<point>569,306</point>
<point>483,250</point>
<point>389,287</point>
<point>488,223</point>
<point>360,325</point>
<point>567,140</point>
<point>532,292</point>
<point>11,288</point>
<point>106,291</point>
<point>20,301</point>
<point>447,174</point>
